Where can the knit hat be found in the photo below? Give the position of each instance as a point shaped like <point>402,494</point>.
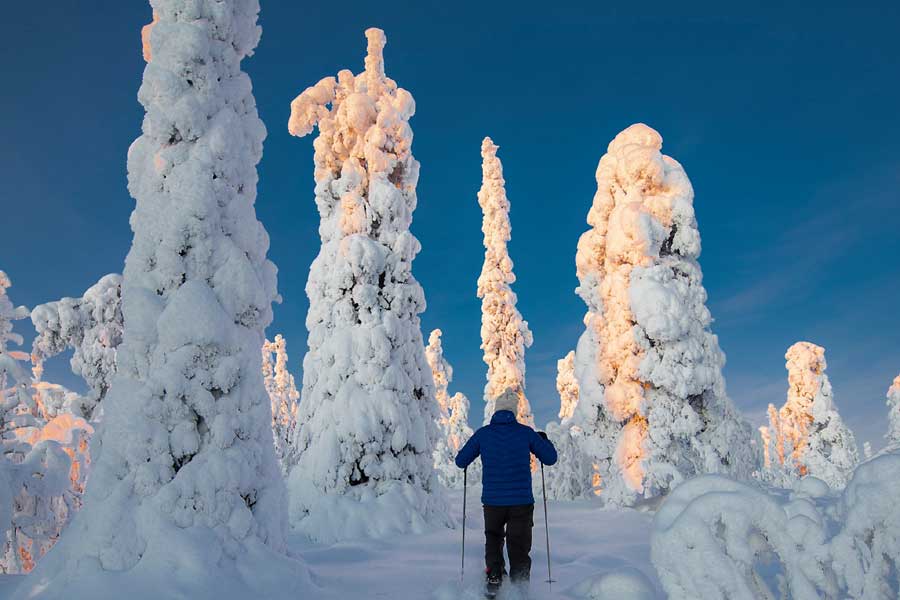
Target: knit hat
<point>508,400</point>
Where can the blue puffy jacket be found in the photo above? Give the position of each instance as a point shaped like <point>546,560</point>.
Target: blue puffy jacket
<point>505,447</point>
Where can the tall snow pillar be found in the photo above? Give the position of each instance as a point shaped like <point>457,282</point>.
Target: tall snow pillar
<point>504,333</point>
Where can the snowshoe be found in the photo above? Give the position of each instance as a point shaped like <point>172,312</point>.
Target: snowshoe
<point>492,586</point>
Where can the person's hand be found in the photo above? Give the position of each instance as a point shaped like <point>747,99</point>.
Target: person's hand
<point>542,434</point>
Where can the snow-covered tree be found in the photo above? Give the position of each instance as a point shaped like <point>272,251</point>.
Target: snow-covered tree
<point>504,333</point>
<point>55,443</point>
<point>571,477</point>
<point>442,375</point>
<point>283,394</point>
<point>452,418</point>
<point>92,327</point>
<point>893,402</point>
<point>766,437</point>
<point>367,422</point>
<point>567,386</point>
<point>458,433</point>
<point>8,314</point>
<point>34,504</point>
<point>55,420</point>
<point>652,398</point>
<point>777,470</point>
<point>809,436</point>
<point>184,467</point>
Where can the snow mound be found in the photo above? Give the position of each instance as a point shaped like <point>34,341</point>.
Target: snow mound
<point>622,584</point>
<point>191,569</point>
<point>715,538</point>
<point>867,550</point>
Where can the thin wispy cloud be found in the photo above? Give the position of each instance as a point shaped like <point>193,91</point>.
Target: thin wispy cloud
<point>804,252</point>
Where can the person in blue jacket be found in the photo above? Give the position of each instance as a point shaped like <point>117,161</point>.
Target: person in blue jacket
<point>505,447</point>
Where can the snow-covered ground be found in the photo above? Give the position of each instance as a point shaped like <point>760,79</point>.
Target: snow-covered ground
<point>586,543</point>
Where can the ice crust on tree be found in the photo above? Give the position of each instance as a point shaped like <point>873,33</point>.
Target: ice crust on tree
<point>652,398</point>
<point>184,467</point>
<point>893,403</point>
<point>283,394</point>
<point>807,436</point>
<point>362,454</point>
<point>504,333</point>
<point>91,326</point>
<point>452,420</point>
<point>716,538</point>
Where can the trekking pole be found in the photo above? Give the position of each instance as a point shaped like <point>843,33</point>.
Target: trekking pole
<point>546,525</point>
<point>462,566</point>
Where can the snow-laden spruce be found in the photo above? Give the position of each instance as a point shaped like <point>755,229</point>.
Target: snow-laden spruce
<point>92,327</point>
<point>504,333</point>
<point>719,539</point>
<point>283,394</point>
<point>35,498</point>
<point>807,436</point>
<point>458,433</point>
<point>8,314</point>
<point>184,467</point>
<point>367,419</point>
<point>893,403</point>
<point>452,419</point>
<point>571,478</point>
<point>653,404</point>
<point>573,475</point>
<point>52,443</point>
<point>441,375</point>
<point>567,386</point>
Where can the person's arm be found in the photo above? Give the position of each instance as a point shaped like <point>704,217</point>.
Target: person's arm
<point>542,448</point>
<point>468,452</point>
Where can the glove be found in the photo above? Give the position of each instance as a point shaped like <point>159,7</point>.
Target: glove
<point>542,434</point>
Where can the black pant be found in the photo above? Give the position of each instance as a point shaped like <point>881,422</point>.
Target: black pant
<point>513,523</point>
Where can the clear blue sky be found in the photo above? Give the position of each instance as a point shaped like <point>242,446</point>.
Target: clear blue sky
<point>785,118</point>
